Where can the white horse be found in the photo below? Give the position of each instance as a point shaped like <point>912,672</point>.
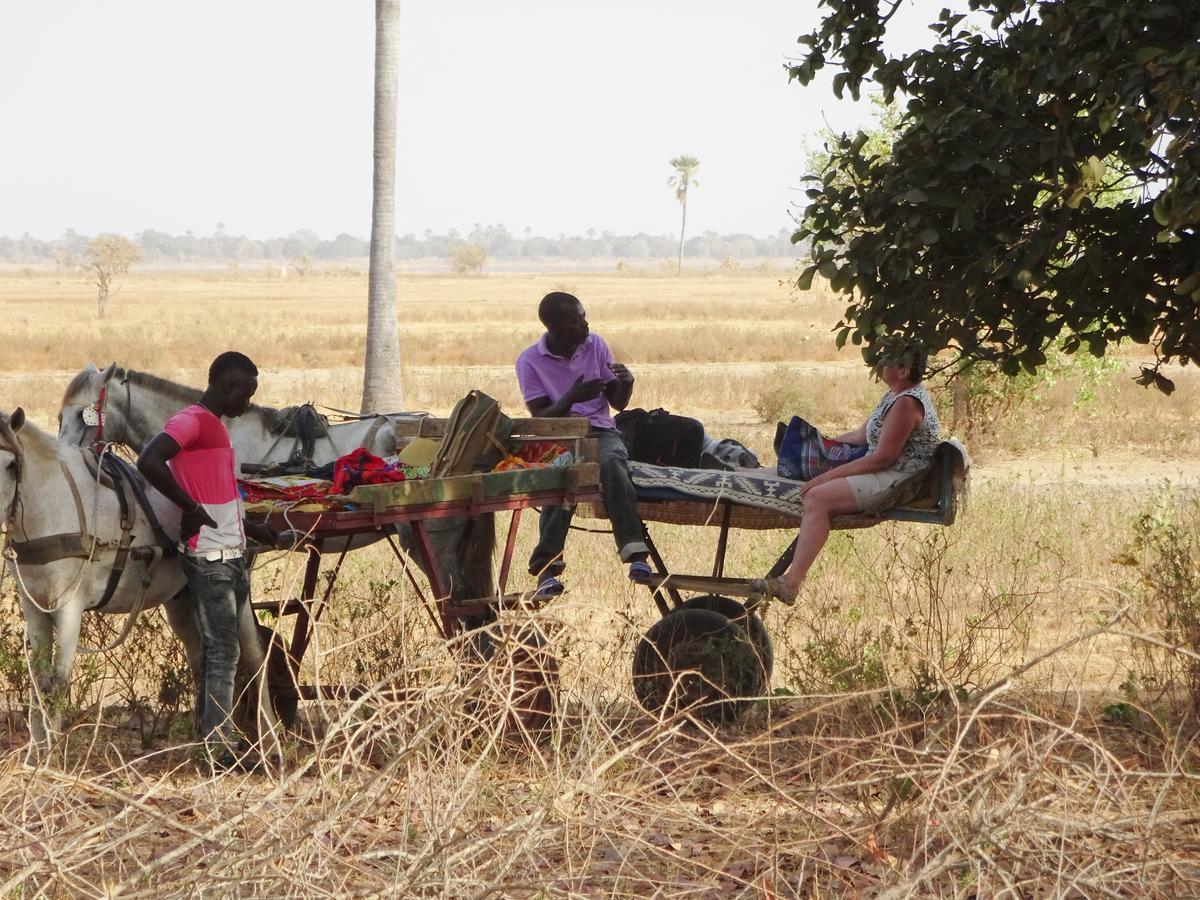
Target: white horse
<point>129,407</point>
<point>64,531</point>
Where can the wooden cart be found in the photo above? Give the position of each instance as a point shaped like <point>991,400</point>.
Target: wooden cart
<point>709,654</point>
<point>380,510</point>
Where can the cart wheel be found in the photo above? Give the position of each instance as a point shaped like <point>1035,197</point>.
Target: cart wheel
<point>697,660</point>
<point>738,614</point>
<point>515,677</point>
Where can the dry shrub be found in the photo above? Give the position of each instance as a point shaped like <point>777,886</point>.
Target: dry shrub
<point>425,794</point>
<point>418,786</point>
<point>1166,553</point>
<point>923,622</point>
<point>147,676</point>
<point>833,401</point>
<point>906,762</point>
<point>14,670</point>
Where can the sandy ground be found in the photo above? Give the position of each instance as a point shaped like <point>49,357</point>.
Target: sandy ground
<point>1117,469</point>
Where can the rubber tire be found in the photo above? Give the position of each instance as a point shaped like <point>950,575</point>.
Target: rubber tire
<point>737,613</point>
<point>520,684</point>
<point>697,662</point>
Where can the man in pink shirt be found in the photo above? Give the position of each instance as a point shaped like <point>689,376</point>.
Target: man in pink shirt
<point>192,464</point>
<point>571,372</point>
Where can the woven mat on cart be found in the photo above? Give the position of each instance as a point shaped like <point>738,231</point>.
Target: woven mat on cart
<point>697,497</point>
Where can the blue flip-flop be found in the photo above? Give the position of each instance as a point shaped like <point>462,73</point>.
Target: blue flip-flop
<point>548,588</point>
<point>640,572</point>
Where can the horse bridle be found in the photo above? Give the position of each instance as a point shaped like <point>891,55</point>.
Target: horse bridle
<point>93,414</point>
<point>19,456</point>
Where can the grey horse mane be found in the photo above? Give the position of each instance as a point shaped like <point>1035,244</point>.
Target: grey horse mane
<point>172,389</point>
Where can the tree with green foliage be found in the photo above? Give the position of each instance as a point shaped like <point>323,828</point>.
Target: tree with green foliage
<point>107,258</point>
<point>686,168</point>
<point>1043,184</point>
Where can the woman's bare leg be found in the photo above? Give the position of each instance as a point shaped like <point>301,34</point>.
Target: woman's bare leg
<point>821,503</point>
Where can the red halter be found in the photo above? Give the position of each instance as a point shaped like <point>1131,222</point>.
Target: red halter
<point>99,441</point>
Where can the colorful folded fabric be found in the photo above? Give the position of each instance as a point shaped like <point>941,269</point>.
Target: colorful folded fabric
<point>361,466</point>
<point>536,455</point>
<point>285,488</point>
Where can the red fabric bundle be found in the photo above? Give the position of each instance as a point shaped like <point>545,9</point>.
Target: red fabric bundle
<point>360,466</point>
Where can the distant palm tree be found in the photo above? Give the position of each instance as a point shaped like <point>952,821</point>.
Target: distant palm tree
<point>382,388</point>
<point>684,177</point>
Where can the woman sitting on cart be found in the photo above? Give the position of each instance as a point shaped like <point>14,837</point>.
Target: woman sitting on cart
<point>900,436</point>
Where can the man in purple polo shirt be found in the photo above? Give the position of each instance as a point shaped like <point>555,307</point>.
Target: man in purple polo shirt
<point>571,372</point>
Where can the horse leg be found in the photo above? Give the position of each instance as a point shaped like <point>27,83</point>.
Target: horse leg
<point>182,619</point>
<point>258,712</point>
<point>181,616</point>
<point>39,651</point>
<point>67,620</point>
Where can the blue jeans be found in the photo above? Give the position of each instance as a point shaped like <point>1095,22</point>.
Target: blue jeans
<point>620,502</point>
<point>219,589</point>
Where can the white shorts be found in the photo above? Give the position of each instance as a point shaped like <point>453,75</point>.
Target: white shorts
<point>877,490</point>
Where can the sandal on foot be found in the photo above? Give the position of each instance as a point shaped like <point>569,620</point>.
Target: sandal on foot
<point>772,588</point>
<point>640,572</point>
<point>548,588</point>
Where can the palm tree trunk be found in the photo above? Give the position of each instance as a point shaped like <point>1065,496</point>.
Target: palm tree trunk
<point>382,389</point>
<point>682,229</point>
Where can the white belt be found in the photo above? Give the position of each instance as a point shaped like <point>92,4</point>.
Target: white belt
<point>220,555</point>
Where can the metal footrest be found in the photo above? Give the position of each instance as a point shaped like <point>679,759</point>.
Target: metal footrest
<point>707,584</point>
<point>523,600</point>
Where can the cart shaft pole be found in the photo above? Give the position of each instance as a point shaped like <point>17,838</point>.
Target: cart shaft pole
<point>509,543</point>
<point>306,621</point>
<point>661,565</point>
<point>437,579</point>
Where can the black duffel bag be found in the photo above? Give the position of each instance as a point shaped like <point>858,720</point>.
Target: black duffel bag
<point>660,438</point>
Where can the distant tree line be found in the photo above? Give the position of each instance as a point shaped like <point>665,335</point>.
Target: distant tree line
<point>70,250</point>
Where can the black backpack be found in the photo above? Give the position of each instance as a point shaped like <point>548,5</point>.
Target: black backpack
<point>660,438</point>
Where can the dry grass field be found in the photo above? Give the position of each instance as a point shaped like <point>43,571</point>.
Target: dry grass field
<point>1003,708</point>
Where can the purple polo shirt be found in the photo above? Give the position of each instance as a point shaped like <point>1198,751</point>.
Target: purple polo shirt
<point>542,374</point>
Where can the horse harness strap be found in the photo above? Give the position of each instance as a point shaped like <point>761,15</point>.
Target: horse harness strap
<point>81,544</point>
<point>115,464</point>
<point>53,547</point>
<point>368,440</point>
<point>128,517</point>
<point>306,426</point>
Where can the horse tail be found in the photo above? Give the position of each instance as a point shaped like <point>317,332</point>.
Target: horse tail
<point>463,549</point>
<point>478,549</point>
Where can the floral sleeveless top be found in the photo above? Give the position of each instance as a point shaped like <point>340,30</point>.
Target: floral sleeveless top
<point>918,449</point>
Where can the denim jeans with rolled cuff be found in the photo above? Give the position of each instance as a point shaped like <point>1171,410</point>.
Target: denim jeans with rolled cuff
<point>620,501</point>
<point>219,589</point>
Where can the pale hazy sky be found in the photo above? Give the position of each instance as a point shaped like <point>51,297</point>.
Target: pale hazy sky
<point>561,116</point>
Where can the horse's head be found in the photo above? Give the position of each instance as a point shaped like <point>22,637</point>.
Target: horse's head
<point>12,457</point>
<point>88,414</point>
